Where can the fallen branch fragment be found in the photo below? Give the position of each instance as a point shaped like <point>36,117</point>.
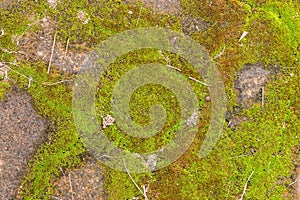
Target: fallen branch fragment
<point>170,66</point>
<point>245,33</point>
<point>137,21</point>
<point>136,185</point>
<point>245,155</point>
<point>245,186</point>
<point>51,56</point>
<point>4,70</point>
<point>56,83</point>
<point>67,46</point>
<point>199,81</point>
<point>217,56</point>
<point>8,51</point>
<point>29,82</point>
<point>297,179</point>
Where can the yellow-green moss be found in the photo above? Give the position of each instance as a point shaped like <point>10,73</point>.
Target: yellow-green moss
<point>262,144</point>
<point>4,88</point>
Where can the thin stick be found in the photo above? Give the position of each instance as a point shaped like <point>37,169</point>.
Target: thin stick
<point>245,186</point>
<point>136,185</point>
<point>54,197</point>
<point>243,36</point>
<point>50,84</point>
<point>67,46</point>
<point>19,73</point>
<point>217,56</point>
<point>104,156</point>
<point>245,155</point>
<point>51,56</point>
<point>297,179</point>
<point>30,79</point>
<point>199,81</point>
<point>5,75</point>
<point>29,82</point>
<point>137,21</point>
<point>170,66</point>
<point>71,186</point>
<point>7,51</point>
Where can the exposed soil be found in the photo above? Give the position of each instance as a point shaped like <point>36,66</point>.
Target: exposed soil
<point>84,182</point>
<point>38,46</point>
<point>22,131</point>
<point>249,84</point>
<point>5,3</point>
<point>171,6</point>
<point>249,87</point>
<point>189,24</point>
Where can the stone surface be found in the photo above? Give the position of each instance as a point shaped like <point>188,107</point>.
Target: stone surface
<point>22,130</point>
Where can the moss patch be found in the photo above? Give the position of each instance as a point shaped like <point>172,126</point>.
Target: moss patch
<point>4,88</point>
<point>262,144</point>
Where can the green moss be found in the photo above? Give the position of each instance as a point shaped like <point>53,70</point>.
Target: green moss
<point>63,147</point>
<point>4,88</point>
<point>273,33</point>
<point>262,144</point>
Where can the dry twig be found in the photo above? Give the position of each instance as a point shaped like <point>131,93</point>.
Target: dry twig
<point>245,33</point>
<point>50,84</point>
<point>234,157</point>
<point>199,81</point>
<point>67,46</point>
<point>245,186</point>
<point>220,54</point>
<point>8,51</point>
<point>170,66</point>
<point>51,56</point>
<point>297,179</point>
<point>136,185</point>
<point>137,21</point>
<point>29,82</point>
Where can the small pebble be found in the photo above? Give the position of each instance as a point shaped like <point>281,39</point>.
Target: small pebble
<point>207,98</point>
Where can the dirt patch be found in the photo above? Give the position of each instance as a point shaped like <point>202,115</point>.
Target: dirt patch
<point>161,6</point>
<point>249,87</point>
<point>22,131</point>
<point>191,25</point>
<point>250,83</point>
<point>5,3</point>
<point>85,182</point>
<point>38,46</point>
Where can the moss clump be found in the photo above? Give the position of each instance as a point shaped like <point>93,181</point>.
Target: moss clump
<point>64,148</point>
<point>262,144</point>
<point>4,88</point>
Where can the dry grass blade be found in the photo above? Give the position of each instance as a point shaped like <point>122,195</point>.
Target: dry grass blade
<point>245,186</point>
<point>136,185</point>
<point>52,51</point>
